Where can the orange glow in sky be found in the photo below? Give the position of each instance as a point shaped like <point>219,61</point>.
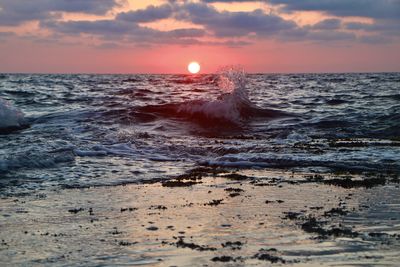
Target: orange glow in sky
<point>161,36</point>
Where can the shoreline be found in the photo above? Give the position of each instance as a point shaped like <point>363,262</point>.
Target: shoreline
<point>208,217</point>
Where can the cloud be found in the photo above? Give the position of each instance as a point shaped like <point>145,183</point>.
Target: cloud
<point>116,30</point>
<point>328,24</point>
<point>229,1</point>
<point>381,26</point>
<point>125,26</point>
<point>179,33</point>
<point>331,36</point>
<point>382,9</point>
<point>375,39</point>
<point>97,27</point>
<point>231,28</point>
<point>230,24</point>
<point>107,45</point>
<point>385,15</point>
<point>15,12</point>
<point>150,14</point>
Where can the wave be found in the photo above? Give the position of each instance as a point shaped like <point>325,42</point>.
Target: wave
<point>11,118</point>
<point>232,107</point>
<point>38,160</point>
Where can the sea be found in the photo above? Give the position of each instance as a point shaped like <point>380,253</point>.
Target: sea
<point>84,130</point>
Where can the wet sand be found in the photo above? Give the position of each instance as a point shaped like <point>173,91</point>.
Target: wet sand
<point>209,217</point>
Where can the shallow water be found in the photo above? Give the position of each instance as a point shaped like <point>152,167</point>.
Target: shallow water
<point>157,225</point>
<point>115,129</point>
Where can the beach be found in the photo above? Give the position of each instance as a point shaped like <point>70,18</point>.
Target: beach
<point>208,217</point>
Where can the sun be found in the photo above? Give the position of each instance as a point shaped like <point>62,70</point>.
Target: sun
<point>194,67</point>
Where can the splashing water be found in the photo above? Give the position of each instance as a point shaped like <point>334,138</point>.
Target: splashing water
<point>11,118</point>
<point>231,106</point>
<point>231,109</point>
<point>232,78</point>
<point>233,81</point>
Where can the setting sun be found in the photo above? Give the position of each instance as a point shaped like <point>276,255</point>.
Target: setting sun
<point>194,67</point>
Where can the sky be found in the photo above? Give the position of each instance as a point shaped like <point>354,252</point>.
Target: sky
<point>163,36</point>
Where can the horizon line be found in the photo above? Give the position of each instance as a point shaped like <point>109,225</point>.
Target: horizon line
<point>187,74</point>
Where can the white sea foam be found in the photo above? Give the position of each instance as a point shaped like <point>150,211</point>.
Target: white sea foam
<point>10,117</point>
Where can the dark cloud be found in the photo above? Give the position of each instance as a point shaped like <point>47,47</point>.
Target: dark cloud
<point>380,26</point>
<point>108,45</point>
<point>383,9</point>
<point>233,28</point>
<point>330,36</point>
<point>123,31</point>
<point>227,28</point>
<point>15,12</point>
<point>385,15</point>
<point>126,26</point>
<point>376,39</point>
<point>228,24</point>
<point>151,13</point>
<point>229,1</point>
<point>98,27</point>
<point>183,33</point>
<point>328,24</point>
<point>311,35</point>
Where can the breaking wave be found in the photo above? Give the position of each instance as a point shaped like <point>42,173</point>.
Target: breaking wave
<point>11,118</point>
<point>231,108</point>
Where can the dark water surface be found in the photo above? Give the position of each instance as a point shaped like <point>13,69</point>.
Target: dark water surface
<point>112,129</point>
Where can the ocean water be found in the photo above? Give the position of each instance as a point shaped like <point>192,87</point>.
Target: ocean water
<point>63,131</point>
